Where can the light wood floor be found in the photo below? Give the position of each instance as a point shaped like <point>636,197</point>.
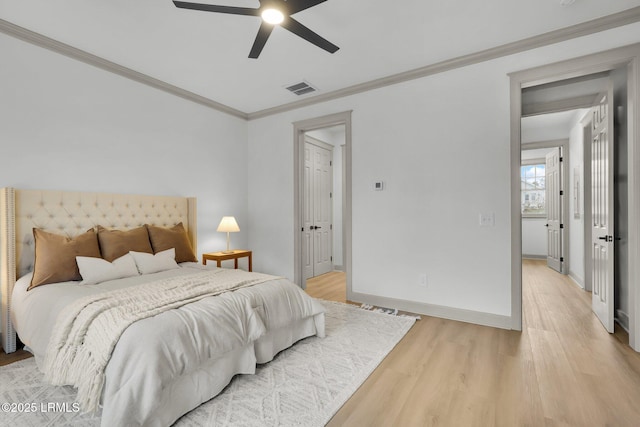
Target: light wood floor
<point>564,369</point>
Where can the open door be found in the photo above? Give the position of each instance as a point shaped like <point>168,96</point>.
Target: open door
<point>553,201</point>
<point>317,223</point>
<point>602,214</point>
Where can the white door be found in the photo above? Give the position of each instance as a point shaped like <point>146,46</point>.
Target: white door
<point>602,214</point>
<point>553,202</point>
<point>317,240</point>
<point>323,211</point>
<point>307,213</point>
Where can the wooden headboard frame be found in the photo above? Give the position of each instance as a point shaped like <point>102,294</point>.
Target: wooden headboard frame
<point>72,213</point>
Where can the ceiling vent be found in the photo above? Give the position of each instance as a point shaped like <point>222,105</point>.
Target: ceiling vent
<point>301,88</point>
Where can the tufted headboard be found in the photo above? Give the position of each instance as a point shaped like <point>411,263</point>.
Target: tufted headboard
<point>72,213</point>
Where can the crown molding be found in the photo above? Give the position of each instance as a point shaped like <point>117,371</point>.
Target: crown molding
<point>597,25</point>
<point>88,58</point>
<point>608,22</point>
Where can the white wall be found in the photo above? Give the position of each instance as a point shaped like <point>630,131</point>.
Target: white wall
<point>621,198</point>
<point>441,144</point>
<point>66,125</point>
<point>546,133</point>
<point>576,224</point>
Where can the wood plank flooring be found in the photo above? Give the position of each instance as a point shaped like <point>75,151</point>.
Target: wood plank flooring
<point>564,369</point>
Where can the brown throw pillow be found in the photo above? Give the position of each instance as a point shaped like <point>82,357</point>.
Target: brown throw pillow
<point>115,243</point>
<point>175,237</point>
<point>56,256</point>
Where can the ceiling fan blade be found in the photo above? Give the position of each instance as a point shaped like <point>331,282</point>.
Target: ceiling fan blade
<point>300,5</point>
<point>263,35</point>
<point>220,9</point>
<point>300,30</point>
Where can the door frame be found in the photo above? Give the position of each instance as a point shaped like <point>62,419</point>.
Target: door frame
<point>299,130</point>
<point>330,148</point>
<point>629,57</point>
<point>563,144</point>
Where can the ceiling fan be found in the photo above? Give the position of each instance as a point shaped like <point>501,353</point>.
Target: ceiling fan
<point>272,12</point>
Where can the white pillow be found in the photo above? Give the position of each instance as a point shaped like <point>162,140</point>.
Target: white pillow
<point>98,270</point>
<point>149,263</point>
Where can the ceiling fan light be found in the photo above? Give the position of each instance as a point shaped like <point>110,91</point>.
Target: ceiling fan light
<point>272,16</point>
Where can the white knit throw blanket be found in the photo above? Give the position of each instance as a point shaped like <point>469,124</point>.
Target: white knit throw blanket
<point>87,331</point>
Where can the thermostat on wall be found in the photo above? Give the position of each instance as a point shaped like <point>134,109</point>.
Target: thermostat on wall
<point>378,185</point>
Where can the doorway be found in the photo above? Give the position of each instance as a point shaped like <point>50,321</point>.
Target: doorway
<point>624,61</point>
<point>322,156</point>
<point>333,130</point>
<point>544,214</point>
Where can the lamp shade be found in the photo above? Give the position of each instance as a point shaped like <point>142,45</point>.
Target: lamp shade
<point>228,224</point>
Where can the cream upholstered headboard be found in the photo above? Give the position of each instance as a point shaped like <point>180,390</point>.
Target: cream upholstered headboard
<point>72,213</point>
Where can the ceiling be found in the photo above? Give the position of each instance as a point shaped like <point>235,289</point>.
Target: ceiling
<point>550,126</point>
<point>206,53</point>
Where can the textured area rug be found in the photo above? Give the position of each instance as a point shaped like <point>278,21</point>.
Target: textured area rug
<point>304,385</point>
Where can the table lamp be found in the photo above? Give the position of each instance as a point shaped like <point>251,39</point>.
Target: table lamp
<point>228,225</point>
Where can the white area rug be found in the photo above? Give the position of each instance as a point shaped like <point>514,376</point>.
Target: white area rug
<point>303,386</point>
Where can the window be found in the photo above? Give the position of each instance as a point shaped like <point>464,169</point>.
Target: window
<point>532,186</point>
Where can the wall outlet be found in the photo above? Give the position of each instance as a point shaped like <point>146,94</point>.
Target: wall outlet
<point>487,219</point>
<point>423,280</point>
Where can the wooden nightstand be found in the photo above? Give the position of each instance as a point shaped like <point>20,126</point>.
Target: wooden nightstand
<point>218,257</point>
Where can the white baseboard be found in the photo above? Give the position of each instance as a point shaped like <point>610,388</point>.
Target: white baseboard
<point>534,256</point>
<point>623,319</point>
<point>338,267</point>
<point>577,279</point>
<point>451,313</point>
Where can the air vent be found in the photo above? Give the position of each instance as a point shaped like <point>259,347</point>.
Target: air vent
<point>301,88</point>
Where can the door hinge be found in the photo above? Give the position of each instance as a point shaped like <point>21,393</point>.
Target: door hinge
<point>561,259</point>
<point>560,158</point>
<point>331,259</point>
<point>331,227</point>
<point>561,225</point>
<point>561,193</point>
<point>330,163</point>
<point>302,229</point>
<point>331,195</point>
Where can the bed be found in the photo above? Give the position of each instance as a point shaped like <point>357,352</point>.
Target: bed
<point>162,365</point>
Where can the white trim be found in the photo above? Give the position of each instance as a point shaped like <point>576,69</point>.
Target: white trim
<point>319,143</point>
<point>451,313</point>
<point>88,58</point>
<point>585,101</point>
<point>529,256</point>
<point>604,23</point>
<point>299,129</point>
<point>622,319</point>
<point>628,56</point>
<point>633,132</point>
<point>576,279</point>
<point>7,265</point>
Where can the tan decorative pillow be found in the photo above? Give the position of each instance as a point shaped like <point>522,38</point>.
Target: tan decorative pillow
<point>175,237</point>
<point>56,256</point>
<point>115,243</point>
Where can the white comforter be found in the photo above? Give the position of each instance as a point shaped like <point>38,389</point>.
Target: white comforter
<point>168,364</point>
